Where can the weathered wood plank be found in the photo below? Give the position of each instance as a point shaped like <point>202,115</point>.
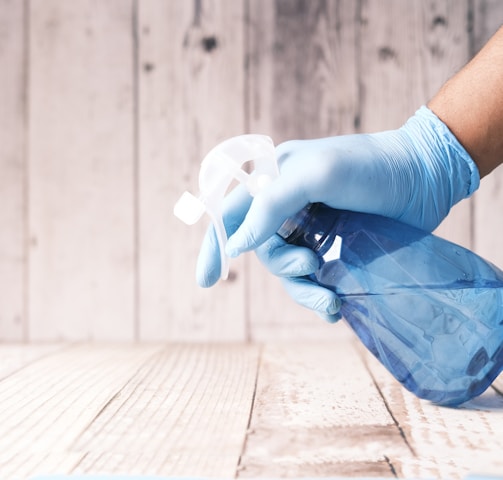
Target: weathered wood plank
<point>183,410</point>
<point>408,50</point>
<point>302,84</point>
<point>15,356</point>
<point>444,439</point>
<point>488,227</point>
<point>45,406</point>
<point>191,92</point>
<point>189,404</point>
<point>302,70</point>
<point>301,67</point>
<point>81,166</point>
<point>12,168</point>
<point>498,384</point>
<point>317,413</point>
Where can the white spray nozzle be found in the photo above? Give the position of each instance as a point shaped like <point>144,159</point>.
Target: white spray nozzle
<point>219,168</point>
<point>189,209</point>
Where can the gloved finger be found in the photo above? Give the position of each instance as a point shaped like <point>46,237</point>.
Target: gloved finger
<point>208,261</point>
<point>329,318</point>
<point>269,209</point>
<point>310,295</point>
<point>284,197</point>
<point>285,260</point>
<point>234,208</point>
<point>341,171</point>
<point>311,171</point>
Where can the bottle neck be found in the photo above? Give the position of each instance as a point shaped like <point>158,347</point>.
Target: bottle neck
<point>311,227</point>
<point>295,225</point>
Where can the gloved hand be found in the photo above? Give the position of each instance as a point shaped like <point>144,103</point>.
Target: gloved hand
<point>414,174</point>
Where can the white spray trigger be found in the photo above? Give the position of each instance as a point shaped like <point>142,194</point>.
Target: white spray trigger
<point>219,168</point>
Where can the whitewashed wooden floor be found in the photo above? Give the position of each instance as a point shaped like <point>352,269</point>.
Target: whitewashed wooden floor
<point>231,410</point>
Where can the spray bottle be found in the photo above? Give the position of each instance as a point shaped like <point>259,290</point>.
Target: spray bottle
<point>429,310</point>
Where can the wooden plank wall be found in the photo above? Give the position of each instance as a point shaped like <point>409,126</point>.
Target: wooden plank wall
<point>109,106</point>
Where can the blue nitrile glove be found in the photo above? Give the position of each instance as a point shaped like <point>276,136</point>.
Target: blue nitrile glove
<point>414,174</point>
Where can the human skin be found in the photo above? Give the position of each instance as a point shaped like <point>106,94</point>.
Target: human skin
<point>471,105</point>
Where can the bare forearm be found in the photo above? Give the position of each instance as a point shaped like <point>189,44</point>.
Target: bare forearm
<point>471,105</point>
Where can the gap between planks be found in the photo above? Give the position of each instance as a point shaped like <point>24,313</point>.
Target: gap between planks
<point>143,409</point>
<point>227,410</point>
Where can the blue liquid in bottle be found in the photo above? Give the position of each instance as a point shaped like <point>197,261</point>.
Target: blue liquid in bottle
<point>429,310</point>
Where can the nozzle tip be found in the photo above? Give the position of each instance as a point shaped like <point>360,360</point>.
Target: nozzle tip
<point>189,208</point>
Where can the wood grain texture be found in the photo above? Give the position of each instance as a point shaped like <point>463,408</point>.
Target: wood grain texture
<point>49,403</point>
<point>296,410</point>
<point>498,384</point>
<point>447,442</point>
<point>317,413</point>
<point>408,51</point>
<point>12,169</point>
<point>109,107</point>
<point>487,226</point>
<point>302,84</point>
<point>190,405</point>
<point>81,175</point>
<point>191,97</point>
<point>302,70</point>
<point>16,356</point>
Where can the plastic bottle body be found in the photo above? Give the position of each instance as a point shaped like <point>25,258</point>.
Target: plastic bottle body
<point>429,310</point>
